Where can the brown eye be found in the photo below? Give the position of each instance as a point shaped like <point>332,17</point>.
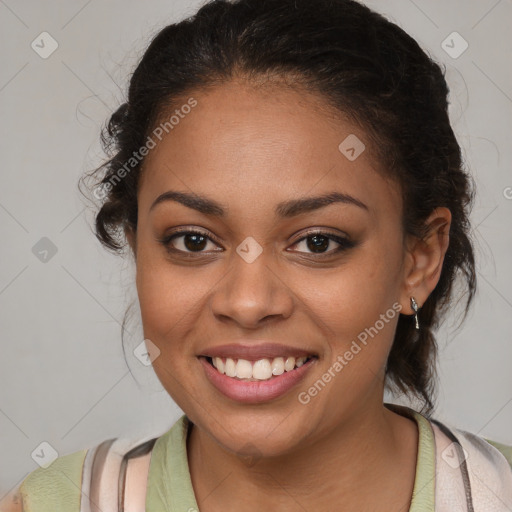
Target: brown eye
<point>320,242</point>
<point>187,242</point>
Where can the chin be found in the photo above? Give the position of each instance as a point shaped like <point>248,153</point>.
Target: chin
<point>256,432</point>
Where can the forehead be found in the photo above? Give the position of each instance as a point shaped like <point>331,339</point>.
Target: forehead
<point>267,143</point>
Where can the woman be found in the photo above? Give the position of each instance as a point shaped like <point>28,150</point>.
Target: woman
<point>287,179</point>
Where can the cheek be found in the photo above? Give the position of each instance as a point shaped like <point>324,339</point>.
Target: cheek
<point>357,293</point>
<point>171,300</point>
<point>357,319</point>
<point>357,307</point>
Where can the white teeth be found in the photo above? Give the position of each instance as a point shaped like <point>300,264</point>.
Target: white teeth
<point>263,369</point>
<point>289,364</point>
<point>229,368</point>
<point>278,366</point>
<point>243,369</point>
<point>300,361</point>
<point>219,364</point>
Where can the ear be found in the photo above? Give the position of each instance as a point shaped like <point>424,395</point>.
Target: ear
<point>424,259</point>
<point>131,237</point>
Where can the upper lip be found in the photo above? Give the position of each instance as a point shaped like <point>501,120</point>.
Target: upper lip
<point>254,351</point>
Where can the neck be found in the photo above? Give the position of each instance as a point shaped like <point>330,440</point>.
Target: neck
<point>363,462</point>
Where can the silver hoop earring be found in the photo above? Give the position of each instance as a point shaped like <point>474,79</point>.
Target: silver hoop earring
<point>414,306</point>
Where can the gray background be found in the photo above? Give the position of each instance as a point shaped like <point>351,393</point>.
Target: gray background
<point>63,376</point>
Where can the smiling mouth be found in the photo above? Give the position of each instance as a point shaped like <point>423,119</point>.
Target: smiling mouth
<point>260,370</point>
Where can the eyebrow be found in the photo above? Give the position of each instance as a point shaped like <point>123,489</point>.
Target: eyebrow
<point>285,209</point>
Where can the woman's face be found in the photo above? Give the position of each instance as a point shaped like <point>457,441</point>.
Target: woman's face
<point>260,276</point>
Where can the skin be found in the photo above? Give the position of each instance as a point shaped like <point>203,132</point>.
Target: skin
<point>249,149</point>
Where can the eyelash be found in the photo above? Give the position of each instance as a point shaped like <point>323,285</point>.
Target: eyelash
<point>344,243</point>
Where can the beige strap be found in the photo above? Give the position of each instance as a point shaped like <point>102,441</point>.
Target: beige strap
<point>137,471</point>
<point>450,494</point>
<point>118,470</point>
<point>86,503</point>
<point>104,492</point>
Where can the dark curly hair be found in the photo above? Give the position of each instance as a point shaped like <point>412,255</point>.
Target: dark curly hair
<point>362,65</point>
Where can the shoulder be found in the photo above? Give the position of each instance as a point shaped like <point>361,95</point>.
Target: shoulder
<point>495,454</point>
<point>484,453</point>
<point>63,485</point>
<point>56,487</point>
<point>504,449</point>
<point>485,467</point>
<point>489,471</point>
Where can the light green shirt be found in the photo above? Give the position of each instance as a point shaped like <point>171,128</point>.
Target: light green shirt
<point>58,487</point>
<point>170,487</point>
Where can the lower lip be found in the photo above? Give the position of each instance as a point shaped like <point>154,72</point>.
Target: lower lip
<point>252,392</point>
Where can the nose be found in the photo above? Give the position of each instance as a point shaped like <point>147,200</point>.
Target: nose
<point>252,293</point>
